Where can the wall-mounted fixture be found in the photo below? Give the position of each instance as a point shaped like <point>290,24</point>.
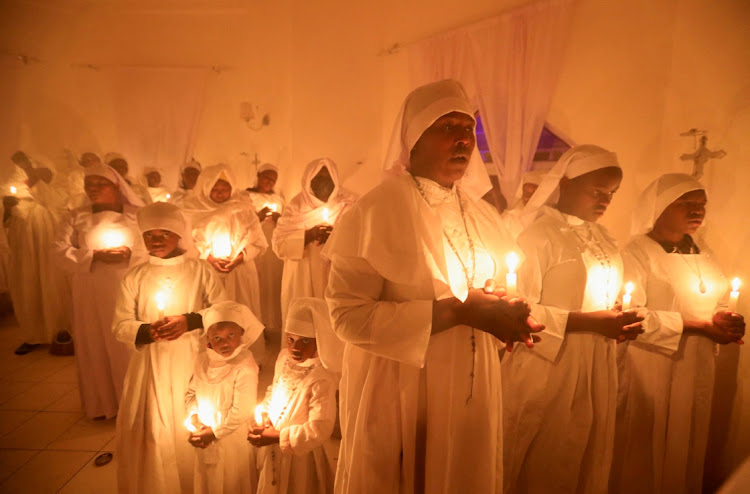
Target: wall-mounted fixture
<point>254,116</point>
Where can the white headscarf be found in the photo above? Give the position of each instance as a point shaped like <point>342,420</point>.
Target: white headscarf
<point>575,162</point>
<point>239,314</point>
<point>421,108</point>
<point>658,196</point>
<point>308,317</point>
<point>206,181</point>
<point>161,216</point>
<point>268,166</point>
<point>532,177</point>
<point>127,196</point>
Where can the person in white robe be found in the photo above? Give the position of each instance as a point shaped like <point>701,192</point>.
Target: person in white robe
<point>153,178</point>
<point>420,393</point>
<point>667,374</point>
<point>559,417</point>
<point>97,244</point>
<point>189,173</point>
<point>221,399</point>
<point>299,410</point>
<point>158,315</point>
<point>513,214</point>
<point>304,228</point>
<point>39,289</point>
<point>268,205</point>
<point>227,233</point>
<point>74,184</point>
<point>120,164</point>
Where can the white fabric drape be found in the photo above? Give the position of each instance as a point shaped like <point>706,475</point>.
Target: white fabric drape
<point>509,65</point>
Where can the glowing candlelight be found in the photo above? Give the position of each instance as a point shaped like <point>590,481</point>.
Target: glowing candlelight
<point>161,302</point>
<point>627,297</point>
<point>259,415</point>
<point>326,215</point>
<point>734,295</point>
<point>169,196</point>
<point>221,246</point>
<point>511,279</point>
<point>189,424</point>
<point>13,189</point>
<point>113,239</point>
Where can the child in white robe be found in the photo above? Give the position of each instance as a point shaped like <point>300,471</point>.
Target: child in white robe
<point>299,410</point>
<point>667,375</point>
<point>220,401</point>
<point>152,452</point>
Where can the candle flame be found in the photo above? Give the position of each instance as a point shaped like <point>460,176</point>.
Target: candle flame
<point>259,414</point>
<point>189,425</point>
<point>512,261</point>
<point>169,196</point>
<point>161,300</point>
<point>736,284</point>
<point>13,189</point>
<point>274,207</point>
<point>629,288</point>
<point>221,246</point>
<point>326,215</point>
<point>113,239</point>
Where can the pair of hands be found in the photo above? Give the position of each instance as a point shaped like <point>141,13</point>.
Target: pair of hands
<point>168,329</point>
<point>264,434</point>
<point>268,212</point>
<point>319,234</point>
<point>726,327</point>
<point>113,256</point>
<point>618,324</point>
<point>203,436</point>
<point>225,265</point>
<point>34,174</point>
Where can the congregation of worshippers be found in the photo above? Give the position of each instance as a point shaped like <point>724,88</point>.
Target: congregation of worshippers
<point>448,345</point>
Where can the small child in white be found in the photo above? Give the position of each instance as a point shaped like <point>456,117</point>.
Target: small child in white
<point>299,410</point>
<point>221,399</point>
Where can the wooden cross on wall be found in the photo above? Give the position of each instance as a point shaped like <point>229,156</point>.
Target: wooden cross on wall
<point>702,154</point>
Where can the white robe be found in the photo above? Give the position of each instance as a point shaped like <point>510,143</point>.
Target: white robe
<point>229,387</point>
<point>102,361</point>
<point>667,377</point>
<point>298,464</point>
<point>559,417</point>
<point>39,289</point>
<point>181,195</point>
<point>153,454</point>
<point>158,194</point>
<point>270,267</point>
<point>413,405</point>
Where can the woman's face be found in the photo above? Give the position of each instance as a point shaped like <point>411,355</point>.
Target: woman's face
<point>266,181</point>
<point>322,184</point>
<point>443,151</point>
<point>160,243</point>
<point>153,179</point>
<point>221,191</point>
<point>685,215</point>
<point>101,190</point>
<point>189,177</point>
<point>589,195</point>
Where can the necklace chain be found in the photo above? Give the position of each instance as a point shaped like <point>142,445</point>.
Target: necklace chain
<point>696,270</point>
<point>601,256</point>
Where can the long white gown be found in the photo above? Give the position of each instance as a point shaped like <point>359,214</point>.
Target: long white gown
<point>559,415</point>
<point>39,289</point>
<point>270,267</point>
<point>153,454</point>
<point>667,377</point>
<point>301,403</point>
<point>228,387</point>
<point>102,361</point>
<point>415,408</point>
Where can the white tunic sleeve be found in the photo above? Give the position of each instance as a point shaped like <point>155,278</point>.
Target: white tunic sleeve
<point>396,330</point>
<point>66,247</point>
<point>243,402</point>
<point>125,323</point>
<point>662,328</point>
<point>253,239</point>
<point>303,438</point>
<point>289,246</point>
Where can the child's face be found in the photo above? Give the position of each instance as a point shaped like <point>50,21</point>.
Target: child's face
<point>301,348</point>
<point>160,243</point>
<point>225,337</point>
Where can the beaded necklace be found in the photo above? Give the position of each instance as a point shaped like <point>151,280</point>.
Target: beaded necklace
<point>601,256</point>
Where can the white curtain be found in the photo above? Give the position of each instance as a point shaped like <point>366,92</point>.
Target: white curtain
<point>509,65</point>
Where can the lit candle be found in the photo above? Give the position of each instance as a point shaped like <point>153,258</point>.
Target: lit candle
<point>161,302</point>
<point>189,424</point>
<point>326,215</point>
<point>221,246</point>
<point>259,415</point>
<point>627,297</point>
<point>13,189</point>
<point>511,279</point>
<point>169,196</point>
<point>734,295</point>
<point>113,239</point>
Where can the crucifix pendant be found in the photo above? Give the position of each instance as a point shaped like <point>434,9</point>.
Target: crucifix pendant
<point>702,287</point>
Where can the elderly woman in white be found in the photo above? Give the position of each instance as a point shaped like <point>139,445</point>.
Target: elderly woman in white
<point>420,391</point>
<point>667,375</point>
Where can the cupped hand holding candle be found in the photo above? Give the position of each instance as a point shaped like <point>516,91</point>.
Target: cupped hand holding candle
<point>221,246</point>
<point>734,295</point>
<point>627,297</point>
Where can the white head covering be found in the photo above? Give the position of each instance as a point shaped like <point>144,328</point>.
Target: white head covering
<point>236,313</point>
<point>110,157</point>
<point>421,108</point>
<point>161,216</point>
<point>575,162</point>
<point>206,181</point>
<point>267,166</point>
<point>193,163</point>
<point>308,317</point>
<point>658,196</point>
<point>127,196</point>
<point>532,177</point>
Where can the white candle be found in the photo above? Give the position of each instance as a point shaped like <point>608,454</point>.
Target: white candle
<point>13,189</point>
<point>161,302</point>
<point>627,297</point>
<point>169,196</point>
<point>221,246</point>
<point>326,215</point>
<point>734,295</point>
<point>189,424</point>
<point>511,279</point>
<point>259,415</point>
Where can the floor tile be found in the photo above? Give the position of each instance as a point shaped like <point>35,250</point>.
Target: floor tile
<point>40,430</point>
<point>10,419</point>
<point>85,435</point>
<point>46,472</point>
<point>68,374</point>
<point>39,396</point>
<point>93,480</point>
<point>13,459</point>
<point>42,369</point>
<point>70,402</point>
<point>10,389</point>
<point>110,446</point>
